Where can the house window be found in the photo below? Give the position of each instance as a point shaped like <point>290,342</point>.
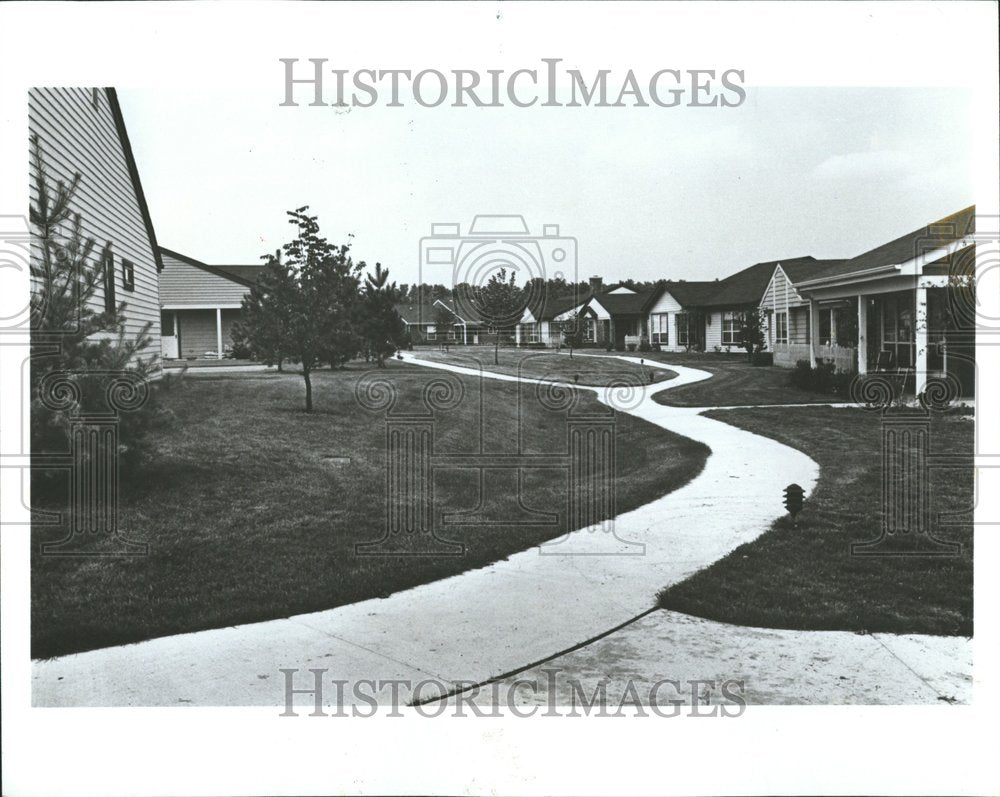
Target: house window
<point>825,333</point>
<point>590,330</point>
<point>529,333</point>
<point>128,275</point>
<point>730,329</point>
<point>658,328</point>
<point>681,322</point>
<point>431,332</point>
<point>167,323</point>
<point>109,281</point>
<point>781,327</point>
<point>897,330</point>
<point>846,326</point>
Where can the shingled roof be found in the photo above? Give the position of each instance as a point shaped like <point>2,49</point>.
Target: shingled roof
<point>903,249</point>
<point>425,312</point>
<point>691,294</point>
<point>631,303</point>
<point>748,286</point>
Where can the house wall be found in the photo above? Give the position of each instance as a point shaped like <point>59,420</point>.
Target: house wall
<point>77,131</point>
<point>181,283</point>
<point>197,331</point>
<point>669,306</point>
<point>713,330</point>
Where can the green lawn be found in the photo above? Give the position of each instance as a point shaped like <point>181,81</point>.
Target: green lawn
<point>806,577</point>
<point>735,383</point>
<point>546,364</point>
<point>253,507</point>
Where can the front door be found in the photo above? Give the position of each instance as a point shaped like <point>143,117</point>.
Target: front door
<point>169,340</point>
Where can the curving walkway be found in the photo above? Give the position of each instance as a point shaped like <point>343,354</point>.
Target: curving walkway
<point>480,624</point>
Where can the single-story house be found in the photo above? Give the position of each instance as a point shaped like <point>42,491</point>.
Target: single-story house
<point>199,304</point>
<point>675,321</point>
<point>788,333</point>
<point>617,316</point>
<point>541,323</point>
<point>81,131</point>
<point>420,319</point>
<point>743,292</point>
<point>912,303</point>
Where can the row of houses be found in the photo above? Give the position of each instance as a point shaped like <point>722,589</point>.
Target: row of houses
<point>890,308</point>
<point>904,306</point>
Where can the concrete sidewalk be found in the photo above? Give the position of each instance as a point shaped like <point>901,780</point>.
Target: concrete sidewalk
<point>693,658</point>
<point>482,623</point>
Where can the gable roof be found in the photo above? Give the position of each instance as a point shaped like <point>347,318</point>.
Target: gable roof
<point>133,172</point>
<point>690,294</point>
<point>748,286</point>
<point>627,303</point>
<point>244,275</point>
<point>424,312</point>
<point>921,241</point>
<point>545,307</point>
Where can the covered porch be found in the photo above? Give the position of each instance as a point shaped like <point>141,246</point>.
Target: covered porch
<point>197,331</point>
<point>907,327</point>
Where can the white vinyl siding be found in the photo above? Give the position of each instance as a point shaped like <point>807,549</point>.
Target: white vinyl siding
<point>184,284</point>
<point>77,132</point>
<point>781,327</point>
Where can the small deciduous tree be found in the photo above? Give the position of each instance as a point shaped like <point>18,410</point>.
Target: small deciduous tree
<point>500,304</point>
<point>265,320</point>
<point>572,331</point>
<point>308,312</point>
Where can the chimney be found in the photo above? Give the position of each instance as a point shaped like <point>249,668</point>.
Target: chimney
<point>596,284</point>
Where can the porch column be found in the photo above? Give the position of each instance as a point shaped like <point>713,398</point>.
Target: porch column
<point>465,334</point>
<point>517,334</point>
<point>862,335</point>
<point>218,332</point>
<point>813,331</point>
<point>920,335</point>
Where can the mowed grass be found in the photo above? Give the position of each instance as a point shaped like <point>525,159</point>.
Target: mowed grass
<point>734,383</point>
<point>582,369</point>
<point>805,577</point>
<point>253,507</point>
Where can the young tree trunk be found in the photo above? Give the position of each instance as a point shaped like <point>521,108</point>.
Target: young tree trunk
<point>496,350</point>
<point>309,389</point>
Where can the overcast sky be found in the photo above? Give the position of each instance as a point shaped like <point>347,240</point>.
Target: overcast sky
<point>681,193</point>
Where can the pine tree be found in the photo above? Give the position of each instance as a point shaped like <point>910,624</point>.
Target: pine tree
<point>74,341</point>
<point>379,323</point>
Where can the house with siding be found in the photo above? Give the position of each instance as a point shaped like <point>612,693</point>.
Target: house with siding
<point>82,131</point>
<point>541,322</point>
<point>676,322</point>
<point>617,316</point>
<point>909,305</point>
<point>420,318</point>
<point>788,333</point>
<point>199,304</point>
